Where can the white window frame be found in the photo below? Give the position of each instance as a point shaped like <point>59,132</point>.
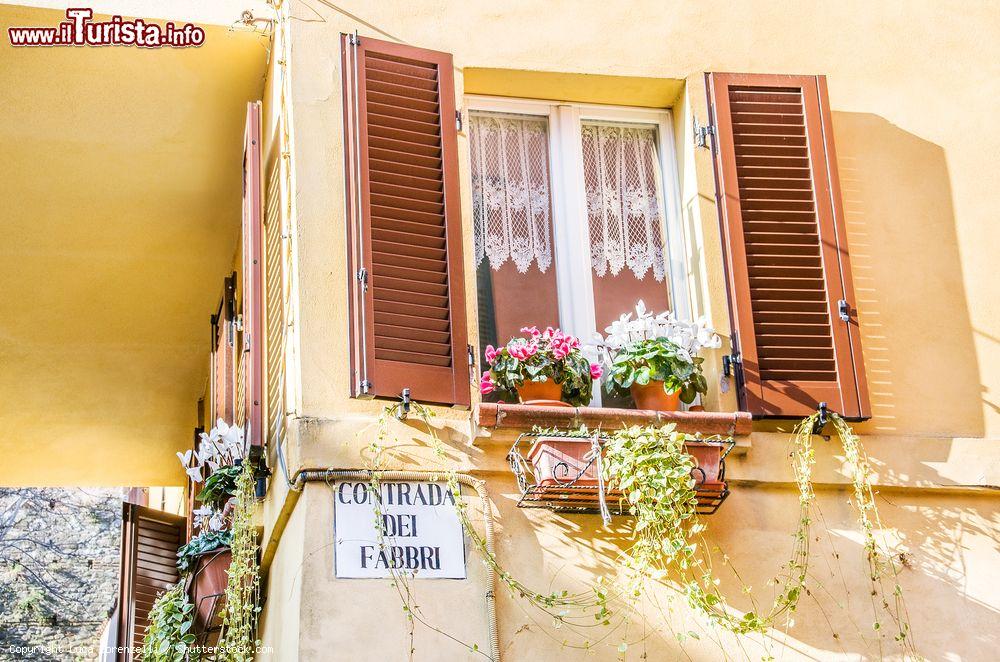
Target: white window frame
<point>571,240</point>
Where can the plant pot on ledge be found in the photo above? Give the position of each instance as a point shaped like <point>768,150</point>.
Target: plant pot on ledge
<point>207,588</point>
<point>652,396</point>
<point>545,393</point>
<point>566,477</point>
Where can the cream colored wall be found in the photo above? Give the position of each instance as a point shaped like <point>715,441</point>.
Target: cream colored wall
<point>910,85</point>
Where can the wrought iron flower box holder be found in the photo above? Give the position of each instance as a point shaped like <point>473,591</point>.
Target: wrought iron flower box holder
<point>569,481</point>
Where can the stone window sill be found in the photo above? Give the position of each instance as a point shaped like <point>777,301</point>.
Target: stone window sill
<point>497,416</point>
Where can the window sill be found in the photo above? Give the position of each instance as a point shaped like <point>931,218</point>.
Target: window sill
<point>495,416</point>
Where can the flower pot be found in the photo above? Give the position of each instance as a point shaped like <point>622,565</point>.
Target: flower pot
<point>651,396</point>
<point>708,462</point>
<point>547,393</point>
<point>207,588</point>
<point>560,461</point>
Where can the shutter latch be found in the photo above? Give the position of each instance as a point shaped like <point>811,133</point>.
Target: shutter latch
<point>363,279</point>
<point>844,310</point>
<point>703,134</point>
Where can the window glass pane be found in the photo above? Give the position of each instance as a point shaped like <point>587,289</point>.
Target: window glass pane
<point>625,217</point>
<point>512,217</point>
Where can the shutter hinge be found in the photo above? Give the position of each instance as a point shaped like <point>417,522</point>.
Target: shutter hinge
<point>353,39</point>
<point>703,134</point>
<point>844,310</point>
<point>364,386</point>
<point>362,276</point>
<point>458,120</point>
<point>472,364</point>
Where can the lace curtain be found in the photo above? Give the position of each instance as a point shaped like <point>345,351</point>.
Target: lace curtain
<point>624,205</point>
<point>510,191</point>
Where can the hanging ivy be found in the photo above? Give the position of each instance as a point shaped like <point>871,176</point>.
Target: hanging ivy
<point>651,468</point>
<point>238,640</point>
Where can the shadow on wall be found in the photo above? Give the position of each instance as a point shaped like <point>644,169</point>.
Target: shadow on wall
<point>916,332</point>
<point>946,574</point>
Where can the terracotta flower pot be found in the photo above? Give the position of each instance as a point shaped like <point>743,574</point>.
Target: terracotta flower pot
<point>558,461</point>
<point>208,586</point>
<point>708,461</point>
<point>651,396</point>
<point>547,393</point>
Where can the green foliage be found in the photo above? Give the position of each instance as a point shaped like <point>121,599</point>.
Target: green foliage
<point>200,544</point>
<point>651,468</point>
<point>242,591</point>
<point>656,359</point>
<point>220,486</point>
<point>168,636</point>
<point>551,355</point>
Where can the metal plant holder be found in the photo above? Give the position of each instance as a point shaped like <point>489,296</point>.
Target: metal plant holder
<point>576,486</point>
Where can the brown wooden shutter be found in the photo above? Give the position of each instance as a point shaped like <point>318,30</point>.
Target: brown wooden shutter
<point>408,327</point>
<point>150,539</point>
<point>223,362</point>
<point>252,283</point>
<point>789,274</point>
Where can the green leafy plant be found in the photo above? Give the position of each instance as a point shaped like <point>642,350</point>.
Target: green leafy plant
<point>202,543</point>
<point>657,360</point>
<point>654,348</point>
<point>541,356</point>
<point>242,591</point>
<point>653,471</point>
<point>168,636</point>
<point>220,485</point>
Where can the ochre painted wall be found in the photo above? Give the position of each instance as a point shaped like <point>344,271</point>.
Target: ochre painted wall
<point>911,86</point>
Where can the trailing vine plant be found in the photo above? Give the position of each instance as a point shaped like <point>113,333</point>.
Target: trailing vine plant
<point>168,636</point>
<point>653,472</point>
<point>238,641</point>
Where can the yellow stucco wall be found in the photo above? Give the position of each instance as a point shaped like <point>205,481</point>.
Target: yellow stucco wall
<point>910,85</point>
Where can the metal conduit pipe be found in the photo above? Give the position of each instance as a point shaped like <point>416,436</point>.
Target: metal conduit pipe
<point>303,476</point>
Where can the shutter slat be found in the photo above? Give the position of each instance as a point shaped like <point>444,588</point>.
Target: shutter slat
<point>782,236</point>
<point>388,283</point>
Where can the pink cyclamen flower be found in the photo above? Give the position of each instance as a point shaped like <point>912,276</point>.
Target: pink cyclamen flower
<point>560,351</point>
<point>486,385</point>
<point>533,330</point>
<point>491,354</point>
<point>596,371</point>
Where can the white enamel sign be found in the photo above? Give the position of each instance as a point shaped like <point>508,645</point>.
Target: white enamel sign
<point>421,533</point>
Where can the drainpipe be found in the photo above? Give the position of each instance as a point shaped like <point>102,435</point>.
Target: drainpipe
<point>303,476</point>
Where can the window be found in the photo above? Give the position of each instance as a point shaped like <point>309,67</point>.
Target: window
<point>575,215</point>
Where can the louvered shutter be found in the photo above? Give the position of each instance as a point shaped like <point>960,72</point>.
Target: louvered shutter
<point>252,364</point>
<point>791,295</point>
<point>150,539</point>
<point>408,327</point>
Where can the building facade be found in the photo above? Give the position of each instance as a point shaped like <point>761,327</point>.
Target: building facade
<point>423,179</point>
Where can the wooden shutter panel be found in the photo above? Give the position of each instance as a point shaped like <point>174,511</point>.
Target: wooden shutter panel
<point>408,327</point>
<point>252,284</point>
<point>150,539</point>
<point>789,275</point>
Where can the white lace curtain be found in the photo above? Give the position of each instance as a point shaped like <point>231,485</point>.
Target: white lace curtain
<point>624,203</point>
<point>510,191</point>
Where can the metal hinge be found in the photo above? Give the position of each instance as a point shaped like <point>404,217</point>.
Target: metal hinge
<point>458,120</point>
<point>844,310</point>
<point>353,39</point>
<point>362,276</point>
<point>703,134</point>
<point>364,386</point>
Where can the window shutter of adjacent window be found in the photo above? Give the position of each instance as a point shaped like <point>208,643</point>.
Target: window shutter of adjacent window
<point>274,310</point>
<point>252,365</point>
<point>792,303</point>
<point>150,539</point>
<point>408,326</point>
